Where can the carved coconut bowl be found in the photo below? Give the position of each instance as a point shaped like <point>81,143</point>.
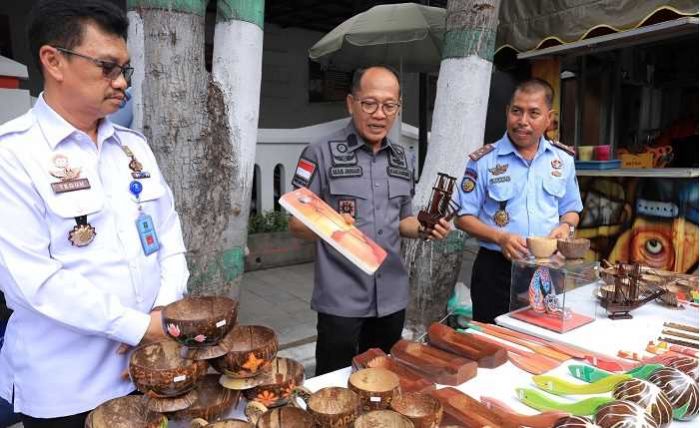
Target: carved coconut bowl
<point>278,383</point>
<point>383,419</point>
<point>200,321</point>
<point>376,387</point>
<point>159,371</point>
<point>424,410</point>
<point>124,412</point>
<point>331,407</point>
<point>541,247</point>
<point>573,248</point>
<point>251,350</point>
<point>213,401</point>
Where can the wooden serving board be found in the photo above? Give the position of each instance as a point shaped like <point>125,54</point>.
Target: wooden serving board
<point>462,410</point>
<point>435,364</point>
<point>471,346</point>
<point>411,381</point>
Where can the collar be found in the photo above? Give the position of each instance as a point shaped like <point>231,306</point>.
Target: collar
<point>506,147</point>
<point>56,129</point>
<point>355,141</point>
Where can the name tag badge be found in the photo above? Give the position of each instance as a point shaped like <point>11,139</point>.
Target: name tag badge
<point>147,234</point>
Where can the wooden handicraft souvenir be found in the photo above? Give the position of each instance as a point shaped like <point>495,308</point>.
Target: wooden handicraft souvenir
<point>681,390</point>
<point>383,419</point>
<point>125,412</point>
<point>628,291</point>
<point>411,380</point>
<point>437,365</point>
<point>331,407</point>
<point>376,387</point>
<point>540,420</point>
<point>441,204</point>
<point>621,413</point>
<point>162,375</point>
<point>251,350</point>
<point>424,410</point>
<point>199,323</point>
<point>213,401</point>
<point>470,346</point>
<point>648,396</point>
<point>462,410</point>
<point>278,383</point>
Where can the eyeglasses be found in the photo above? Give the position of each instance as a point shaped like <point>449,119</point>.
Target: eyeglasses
<point>110,70</point>
<point>370,107</point>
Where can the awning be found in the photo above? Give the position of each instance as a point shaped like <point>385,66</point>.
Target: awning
<point>536,24</point>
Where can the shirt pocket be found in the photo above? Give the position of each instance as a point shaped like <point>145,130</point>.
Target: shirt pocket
<point>501,192</point>
<point>351,197</point>
<point>553,190</point>
<point>64,208</point>
<point>399,194</point>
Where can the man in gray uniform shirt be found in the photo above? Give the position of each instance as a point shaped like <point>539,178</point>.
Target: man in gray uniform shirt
<point>368,179</point>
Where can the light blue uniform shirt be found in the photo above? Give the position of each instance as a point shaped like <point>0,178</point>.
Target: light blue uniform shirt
<point>535,195</point>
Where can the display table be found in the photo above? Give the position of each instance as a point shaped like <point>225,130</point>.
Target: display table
<point>603,336</point>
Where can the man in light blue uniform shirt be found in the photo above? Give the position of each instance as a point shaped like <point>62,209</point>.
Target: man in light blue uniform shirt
<point>522,185</point>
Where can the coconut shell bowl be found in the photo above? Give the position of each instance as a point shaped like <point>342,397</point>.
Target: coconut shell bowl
<point>167,379</point>
<point>278,383</point>
<point>541,247</point>
<point>376,387</point>
<point>573,248</point>
<point>213,401</point>
<point>199,323</point>
<point>251,350</point>
<point>125,412</point>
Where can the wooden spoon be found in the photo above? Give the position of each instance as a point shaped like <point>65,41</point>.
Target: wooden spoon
<point>565,349</point>
<point>541,420</point>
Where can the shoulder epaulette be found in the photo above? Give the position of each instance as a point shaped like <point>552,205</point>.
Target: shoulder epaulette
<point>18,124</point>
<point>568,149</point>
<point>481,152</point>
<point>125,129</point>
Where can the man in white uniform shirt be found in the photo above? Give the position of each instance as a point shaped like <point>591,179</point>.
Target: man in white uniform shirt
<point>90,243</point>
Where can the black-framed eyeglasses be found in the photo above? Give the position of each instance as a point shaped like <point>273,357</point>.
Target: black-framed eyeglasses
<point>371,106</point>
<point>110,70</point>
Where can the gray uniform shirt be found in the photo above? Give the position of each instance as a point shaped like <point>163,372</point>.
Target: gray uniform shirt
<point>376,189</point>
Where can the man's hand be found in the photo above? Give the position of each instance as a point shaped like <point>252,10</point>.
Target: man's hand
<point>350,220</point>
<point>513,246</point>
<point>560,232</point>
<point>440,231</point>
<point>154,333</point>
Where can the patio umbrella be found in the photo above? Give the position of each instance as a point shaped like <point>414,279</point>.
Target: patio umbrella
<point>406,35</point>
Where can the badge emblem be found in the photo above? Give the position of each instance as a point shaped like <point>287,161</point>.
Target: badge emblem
<point>556,173</point>
<point>135,166</point>
<point>556,164</point>
<point>347,206</point>
<point>68,175</point>
<point>499,169</point>
<point>342,148</point>
<point>501,218</point>
<point>468,185</point>
<point>82,235</point>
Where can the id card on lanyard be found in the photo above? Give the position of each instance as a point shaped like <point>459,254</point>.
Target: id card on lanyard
<point>144,222</point>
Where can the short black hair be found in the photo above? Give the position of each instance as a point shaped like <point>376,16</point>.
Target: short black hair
<point>357,77</point>
<point>62,23</point>
<point>536,85</point>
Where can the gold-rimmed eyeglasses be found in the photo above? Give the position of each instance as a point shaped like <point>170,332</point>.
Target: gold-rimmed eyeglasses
<point>371,107</point>
<point>110,70</point>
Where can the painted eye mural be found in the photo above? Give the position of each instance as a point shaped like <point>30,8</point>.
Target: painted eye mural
<point>653,221</point>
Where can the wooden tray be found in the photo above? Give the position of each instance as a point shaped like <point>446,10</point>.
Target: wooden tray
<point>471,346</point>
<point>411,380</point>
<point>463,410</point>
<point>435,364</point>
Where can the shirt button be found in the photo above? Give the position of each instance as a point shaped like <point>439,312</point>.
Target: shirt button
<point>379,275</point>
<point>376,184</point>
<point>380,231</point>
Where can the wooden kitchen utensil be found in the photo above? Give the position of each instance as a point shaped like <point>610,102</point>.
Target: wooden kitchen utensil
<point>470,346</point>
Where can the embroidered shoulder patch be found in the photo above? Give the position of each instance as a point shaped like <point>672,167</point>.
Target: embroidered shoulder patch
<point>481,152</point>
<point>304,173</point>
<point>568,149</point>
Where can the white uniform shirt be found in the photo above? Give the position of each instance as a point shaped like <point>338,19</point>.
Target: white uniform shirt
<point>72,305</point>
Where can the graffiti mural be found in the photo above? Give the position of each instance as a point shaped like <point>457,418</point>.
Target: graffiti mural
<point>653,221</point>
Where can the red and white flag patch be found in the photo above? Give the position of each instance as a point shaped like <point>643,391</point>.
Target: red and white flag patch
<point>305,169</point>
